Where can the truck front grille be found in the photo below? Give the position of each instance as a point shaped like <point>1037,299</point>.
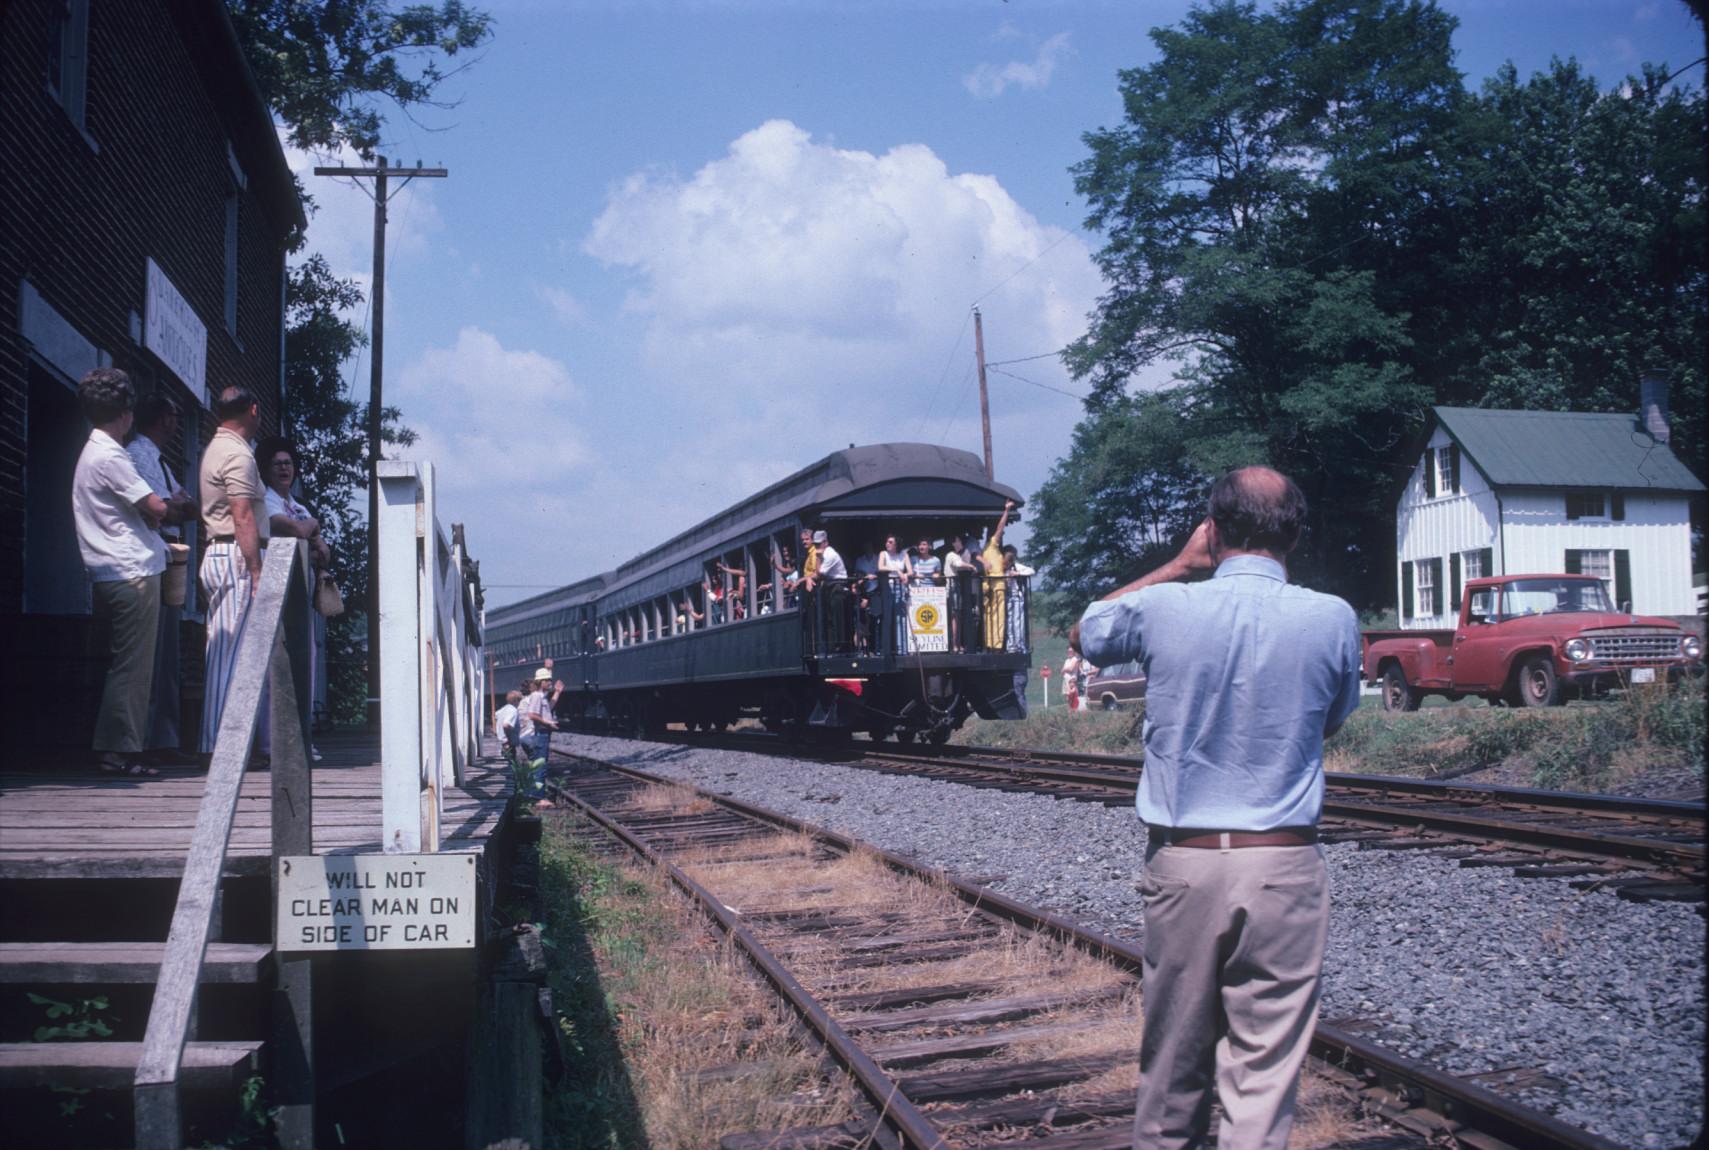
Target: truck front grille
<point>1633,645</point>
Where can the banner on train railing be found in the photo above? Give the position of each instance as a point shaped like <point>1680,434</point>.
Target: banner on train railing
<point>376,902</point>
<point>928,618</point>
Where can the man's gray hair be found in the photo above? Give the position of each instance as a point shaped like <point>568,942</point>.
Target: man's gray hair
<point>105,394</point>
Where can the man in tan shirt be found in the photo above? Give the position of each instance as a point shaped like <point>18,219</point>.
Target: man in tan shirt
<point>234,507</point>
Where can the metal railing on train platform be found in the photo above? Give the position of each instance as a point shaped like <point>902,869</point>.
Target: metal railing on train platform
<point>880,616</point>
<point>432,676</point>
<point>272,662</point>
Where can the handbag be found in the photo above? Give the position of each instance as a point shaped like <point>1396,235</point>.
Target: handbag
<point>328,601</point>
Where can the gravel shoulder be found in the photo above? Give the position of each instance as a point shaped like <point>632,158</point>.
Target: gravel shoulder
<point>1469,968</point>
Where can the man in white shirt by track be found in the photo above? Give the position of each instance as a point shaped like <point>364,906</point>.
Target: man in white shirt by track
<point>156,428</point>
<point>116,514</point>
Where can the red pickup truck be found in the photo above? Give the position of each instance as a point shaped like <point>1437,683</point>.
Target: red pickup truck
<point>1529,640</point>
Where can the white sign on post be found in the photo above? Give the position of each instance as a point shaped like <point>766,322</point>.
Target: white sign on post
<point>376,902</point>
<point>171,331</point>
<point>928,618</point>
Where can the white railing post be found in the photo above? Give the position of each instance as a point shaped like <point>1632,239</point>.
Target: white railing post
<point>427,648</point>
<point>431,689</point>
<point>398,530</point>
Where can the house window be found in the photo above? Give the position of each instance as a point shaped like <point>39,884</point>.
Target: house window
<point>1474,563</point>
<point>1445,469</point>
<point>1593,505</point>
<point>1424,583</point>
<point>68,59</point>
<point>1598,563</point>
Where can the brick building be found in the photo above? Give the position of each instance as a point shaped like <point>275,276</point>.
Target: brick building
<point>144,210</point>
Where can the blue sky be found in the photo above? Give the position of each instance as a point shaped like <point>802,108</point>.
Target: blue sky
<point>686,248</point>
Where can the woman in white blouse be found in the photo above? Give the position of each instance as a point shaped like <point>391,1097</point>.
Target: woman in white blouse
<point>287,519</point>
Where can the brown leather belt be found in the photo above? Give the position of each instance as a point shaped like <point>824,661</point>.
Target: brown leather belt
<point>1228,840</point>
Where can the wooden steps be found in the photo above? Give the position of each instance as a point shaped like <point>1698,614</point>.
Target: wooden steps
<point>47,963</point>
<point>112,1065</point>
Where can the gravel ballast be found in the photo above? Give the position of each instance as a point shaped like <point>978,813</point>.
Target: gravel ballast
<point>1470,969</point>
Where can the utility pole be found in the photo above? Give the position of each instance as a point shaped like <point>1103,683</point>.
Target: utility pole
<point>984,397</point>
<point>380,174</point>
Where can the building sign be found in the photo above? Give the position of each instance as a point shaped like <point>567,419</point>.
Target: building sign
<point>376,902</point>
<point>171,331</point>
<point>928,618</point>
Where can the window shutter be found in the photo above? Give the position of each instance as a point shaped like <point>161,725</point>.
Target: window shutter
<point>1487,561</point>
<point>1406,591</point>
<point>1436,581</point>
<point>1429,473</point>
<point>1454,469</point>
<point>1623,580</point>
<point>1618,499</point>
<point>1574,567</point>
<point>1454,581</point>
<point>1572,508</point>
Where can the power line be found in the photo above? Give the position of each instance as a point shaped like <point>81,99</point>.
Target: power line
<point>942,375</point>
<point>1053,246</point>
<point>1036,383</point>
<point>1028,359</point>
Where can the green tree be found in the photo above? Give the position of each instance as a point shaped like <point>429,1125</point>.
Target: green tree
<point>1271,170</point>
<point>1307,214</point>
<point>1582,257</point>
<point>329,66</point>
<point>1120,503</point>
<point>330,429</point>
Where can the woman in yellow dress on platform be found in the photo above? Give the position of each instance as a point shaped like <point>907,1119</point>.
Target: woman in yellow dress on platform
<point>996,586</point>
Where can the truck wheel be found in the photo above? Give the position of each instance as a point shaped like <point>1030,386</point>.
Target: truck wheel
<point>1398,694</point>
<point>1538,686</point>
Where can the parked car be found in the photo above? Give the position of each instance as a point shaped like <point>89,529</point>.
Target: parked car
<point>1111,688</point>
<point>1530,640</point>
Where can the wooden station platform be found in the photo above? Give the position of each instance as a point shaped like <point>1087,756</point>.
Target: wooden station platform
<point>77,822</point>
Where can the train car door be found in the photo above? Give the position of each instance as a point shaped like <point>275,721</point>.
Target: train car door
<point>587,667</point>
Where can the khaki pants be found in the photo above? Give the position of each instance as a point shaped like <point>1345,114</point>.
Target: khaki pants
<point>1233,952</point>
<point>129,610</point>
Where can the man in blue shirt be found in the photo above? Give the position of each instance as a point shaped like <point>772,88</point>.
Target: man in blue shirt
<point>1246,675</point>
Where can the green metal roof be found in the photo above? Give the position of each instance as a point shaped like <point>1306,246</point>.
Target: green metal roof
<point>1564,449</point>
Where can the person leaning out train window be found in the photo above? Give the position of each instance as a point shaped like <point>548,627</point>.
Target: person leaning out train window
<point>785,576</point>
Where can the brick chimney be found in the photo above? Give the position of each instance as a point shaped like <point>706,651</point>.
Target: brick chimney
<point>1652,405</point>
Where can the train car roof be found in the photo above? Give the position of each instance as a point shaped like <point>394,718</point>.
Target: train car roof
<point>927,480</point>
<point>547,601</point>
<point>895,480</point>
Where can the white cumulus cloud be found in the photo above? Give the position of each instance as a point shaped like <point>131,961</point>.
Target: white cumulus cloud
<point>988,81</point>
<point>794,297</point>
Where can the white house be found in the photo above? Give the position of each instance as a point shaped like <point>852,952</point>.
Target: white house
<point>1540,492</point>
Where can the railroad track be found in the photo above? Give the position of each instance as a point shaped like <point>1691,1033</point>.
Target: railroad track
<point>969,1019</point>
<point>1641,849</point>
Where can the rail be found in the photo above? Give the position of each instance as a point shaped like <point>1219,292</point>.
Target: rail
<point>272,653</point>
<point>880,616</point>
<point>432,676</point>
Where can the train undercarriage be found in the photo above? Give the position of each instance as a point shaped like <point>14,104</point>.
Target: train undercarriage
<point>925,704</point>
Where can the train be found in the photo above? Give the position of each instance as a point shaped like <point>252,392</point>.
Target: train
<point>709,628</point>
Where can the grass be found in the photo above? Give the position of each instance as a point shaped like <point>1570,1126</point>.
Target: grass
<point>1592,746</point>
<point>669,1042</point>
<point>1654,733</point>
